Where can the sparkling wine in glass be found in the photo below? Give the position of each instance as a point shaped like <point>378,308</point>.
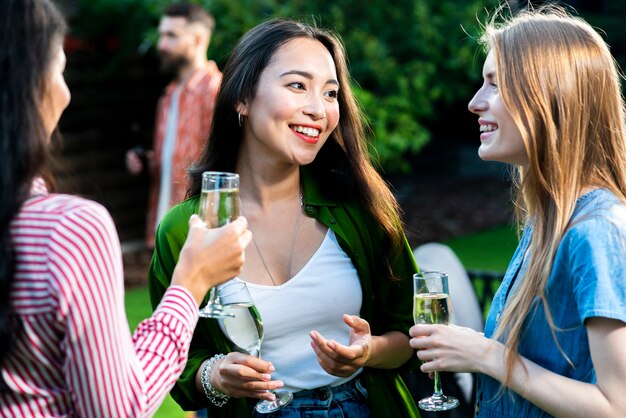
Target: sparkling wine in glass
<point>219,205</point>
<point>431,305</point>
<point>244,328</point>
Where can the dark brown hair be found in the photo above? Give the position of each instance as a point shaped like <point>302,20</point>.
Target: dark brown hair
<point>193,13</point>
<point>29,32</point>
<point>342,166</point>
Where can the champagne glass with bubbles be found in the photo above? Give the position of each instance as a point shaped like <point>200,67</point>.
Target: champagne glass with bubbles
<point>219,205</point>
<point>244,328</point>
<point>431,305</point>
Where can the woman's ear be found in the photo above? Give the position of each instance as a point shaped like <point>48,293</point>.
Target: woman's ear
<point>241,108</point>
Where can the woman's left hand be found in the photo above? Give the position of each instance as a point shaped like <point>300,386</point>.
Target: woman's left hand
<point>341,360</point>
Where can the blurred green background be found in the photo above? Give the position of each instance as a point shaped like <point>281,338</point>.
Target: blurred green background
<point>412,60</point>
<point>408,57</point>
<point>415,65</point>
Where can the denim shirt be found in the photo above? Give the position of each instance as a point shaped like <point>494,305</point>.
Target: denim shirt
<point>588,279</point>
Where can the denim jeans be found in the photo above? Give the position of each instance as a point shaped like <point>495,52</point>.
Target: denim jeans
<point>348,400</point>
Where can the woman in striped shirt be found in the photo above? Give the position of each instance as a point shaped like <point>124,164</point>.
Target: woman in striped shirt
<point>66,349</point>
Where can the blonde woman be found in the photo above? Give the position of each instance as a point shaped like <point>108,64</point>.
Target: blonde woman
<point>554,339</point>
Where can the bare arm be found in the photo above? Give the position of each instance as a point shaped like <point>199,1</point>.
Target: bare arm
<point>460,349</point>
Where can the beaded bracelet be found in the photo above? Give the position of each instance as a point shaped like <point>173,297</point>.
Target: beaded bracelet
<point>216,397</point>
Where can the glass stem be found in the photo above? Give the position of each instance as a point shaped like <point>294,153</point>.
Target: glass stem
<point>438,393</point>
<point>212,296</point>
<point>257,354</point>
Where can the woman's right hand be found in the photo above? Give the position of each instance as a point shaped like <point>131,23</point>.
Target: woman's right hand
<point>242,375</point>
<point>211,256</point>
<point>133,162</point>
<point>449,348</point>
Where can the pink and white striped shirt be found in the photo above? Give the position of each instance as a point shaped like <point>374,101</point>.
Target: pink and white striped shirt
<point>75,355</point>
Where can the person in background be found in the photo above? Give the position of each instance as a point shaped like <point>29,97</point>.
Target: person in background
<point>66,348</point>
<point>184,112</point>
<point>554,340</point>
<point>330,270</point>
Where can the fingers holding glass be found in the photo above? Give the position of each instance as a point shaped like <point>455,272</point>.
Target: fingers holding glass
<point>243,375</point>
<point>242,324</point>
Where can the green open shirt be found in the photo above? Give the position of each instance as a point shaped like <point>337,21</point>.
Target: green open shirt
<point>387,304</point>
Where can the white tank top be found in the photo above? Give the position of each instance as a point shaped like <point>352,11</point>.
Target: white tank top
<point>316,298</point>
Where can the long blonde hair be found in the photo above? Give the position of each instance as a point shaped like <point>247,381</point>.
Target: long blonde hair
<point>561,86</point>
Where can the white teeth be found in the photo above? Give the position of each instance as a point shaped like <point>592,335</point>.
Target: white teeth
<point>307,131</point>
<point>488,128</point>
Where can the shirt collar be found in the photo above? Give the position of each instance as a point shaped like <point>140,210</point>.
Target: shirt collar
<point>195,79</point>
<point>38,187</point>
<point>312,193</point>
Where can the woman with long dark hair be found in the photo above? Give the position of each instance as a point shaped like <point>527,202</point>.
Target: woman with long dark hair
<point>330,270</point>
<point>66,349</point>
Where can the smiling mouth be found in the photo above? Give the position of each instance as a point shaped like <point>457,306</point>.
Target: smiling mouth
<point>488,128</point>
<point>306,131</point>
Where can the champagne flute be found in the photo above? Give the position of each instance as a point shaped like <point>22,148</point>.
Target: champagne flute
<point>244,328</point>
<point>431,305</point>
<point>219,205</point>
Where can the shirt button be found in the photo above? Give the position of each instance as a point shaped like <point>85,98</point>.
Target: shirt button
<point>324,396</point>
<point>309,209</point>
<point>333,221</point>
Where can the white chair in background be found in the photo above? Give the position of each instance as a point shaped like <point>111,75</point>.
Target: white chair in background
<point>466,310</point>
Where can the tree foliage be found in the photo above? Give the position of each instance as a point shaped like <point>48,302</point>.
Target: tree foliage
<point>407,57</point>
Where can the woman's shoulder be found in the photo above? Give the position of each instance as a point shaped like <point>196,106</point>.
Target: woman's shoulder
<point>182,210</point>
<point>176,219</point>
<point>599,222</point>
<point>69,226</point>
<point>351,211</point>
<point>62,207</point>
<point>600,203</point>
<point>596,211</point>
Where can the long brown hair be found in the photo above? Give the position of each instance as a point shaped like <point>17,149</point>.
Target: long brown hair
<point>29,32</point>
<point>343,164</point>
<point>561,85</point>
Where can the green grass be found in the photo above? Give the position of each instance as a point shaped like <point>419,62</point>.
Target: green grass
<point>138,308</point>
<point>491,249</point>
<point>486,250</point>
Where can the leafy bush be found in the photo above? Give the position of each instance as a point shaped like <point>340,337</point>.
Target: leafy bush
<point>407,58</point>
